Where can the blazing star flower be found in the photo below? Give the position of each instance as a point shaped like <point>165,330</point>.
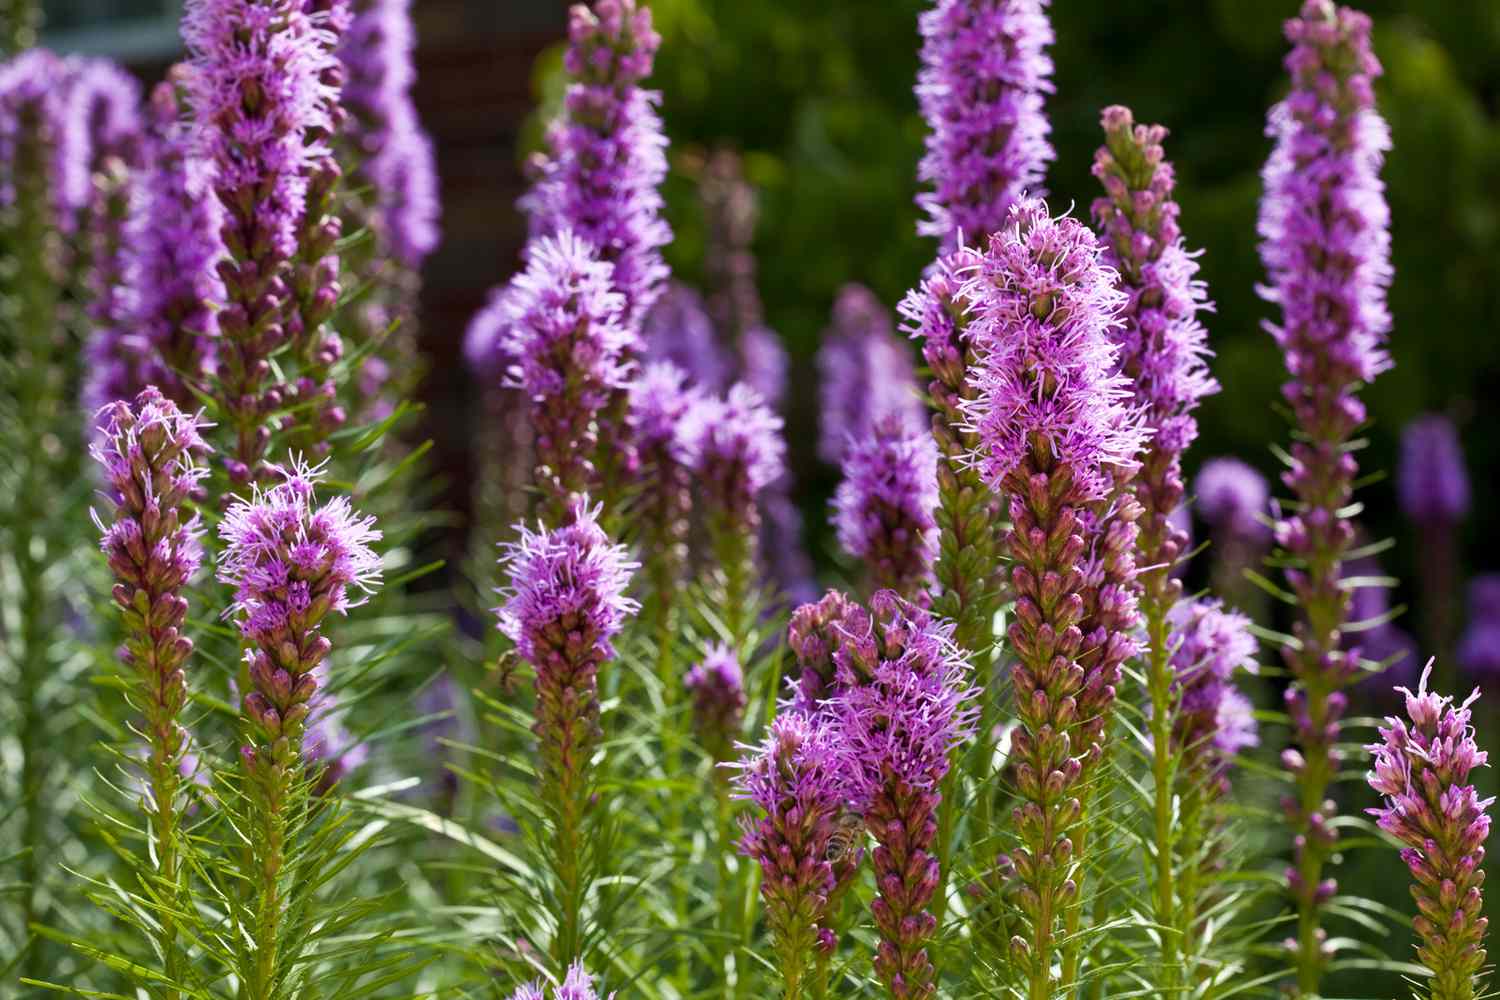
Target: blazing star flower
<point>1234,499</point>
<point>398,161</point>
<point>734,447</point>
<point>884,509</point>
<point>576,985</point>
<point>678,330</point>
<point>34,130</point>
<point>717,686</point>
<point>1422,768</point>
<point>151,454</point>
<point>561,322</point>
<point>805,840</point>
<point>659,400</point>
<point>1213,722</point>
<point>1479,649</point>
<point>290,563</point>
<point>1432,483</point>
<point>866,374</point>
<point>1325,243</point>
<point>1057,439</point>
<point>985,73</point>
<point>565,605</point>
<point>607,154</point>
<point>1163,346</point>
<point>813,636</point>
<point>175,243</point>
<point>902,705</point>
<point>764,363</point>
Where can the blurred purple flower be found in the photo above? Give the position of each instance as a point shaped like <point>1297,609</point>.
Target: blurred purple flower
<point>717,686</point>
<point>884,510</point>
<point>1432,481</point>
<point>866,374</point>
<point>678,329</point>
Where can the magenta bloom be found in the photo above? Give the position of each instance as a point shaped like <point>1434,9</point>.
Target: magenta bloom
<point>1214,720</point>
<point>866,374</point>
<point>1432,482</point>
<point>717,686</point>
<point>607,153</point>
<point>813,636</point>
<point>561,326</point>
<point>576,985</point>
<point>1479,648</point>
<point>1234,499</point>
<point>565,605</point>
<point>678,329</point>
<point>1043,305</point>
<point>32,95</point>
<point>884,510</point>
<point>659,400</point>
<point>1325,244</point>
<point>734,447</point>
<point>290,563</point>
<point>985,73</point>
<point>804,838</point>
<point>398,160</point>
<point>902,704</point>
<point>1422,769</point>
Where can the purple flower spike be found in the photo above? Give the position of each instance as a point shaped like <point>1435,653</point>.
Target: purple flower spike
<point>177,252</point>
<point>1057,439</point>
<point>291,563</point>
<point>717,686</point>
<point>1163,346</point>
<point>1234,499</point>
<point>866,374</point>
<point>1044,303</point>
<point>813,636</point>
<point>985,73</point>
<point>1214,720</point>
<point>565,605</point>
<point>806,841</point>
<point>607,154</point>
<point>884,509</point>
<point>678,329</point>
<point>561,322</point>
<point>398,162</point>
<point>659,400</point>
<point>1432,482</point>
<point>151,453</point>
<point>34,133</point>
<point>264,151</point>
<point>1479,649</point>
<point>735,449</point>
<point>1325,243</point>
<point>1422,768</point>
<point>576,985</point>
<point>902,705</point>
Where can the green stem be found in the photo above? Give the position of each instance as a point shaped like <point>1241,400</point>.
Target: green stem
<point>1159,686</point>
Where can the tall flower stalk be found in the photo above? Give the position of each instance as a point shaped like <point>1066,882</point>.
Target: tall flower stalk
<point>150,451</point>
<point>565,605</point>
<point>1325,244</point>
<point>803,840</point>
<point>902,704</point>
<point>263,89</point>
<point>1162,350</point>
<point>290,562</point>
<point>1422,767</point>
<point>733,446</point>
<point>883,510</point>
<point>1058,440</point>
<point>985,74</point>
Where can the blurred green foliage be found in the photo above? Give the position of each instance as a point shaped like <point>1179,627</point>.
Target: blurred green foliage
<point>819,99</point>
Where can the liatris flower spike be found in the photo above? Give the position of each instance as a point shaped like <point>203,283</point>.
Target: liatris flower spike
<point>565,605</point>
<point>902,705</point>
<point>576,985</point>
<point>1235,501</point>
<point>659,400</point>
<point>607,153</point>
<point>1479,649</point>
<point>733,446</point>
<point>717,686</point>
<point>1058,439</point>
<point>151,453</point>
<point>1433,487</point>
<point>813,636</point>
<point>561,319</point>
<point>1325,231</point>
<point>263,149</point>
<point>865,373</point>
<point>1422,767</point>
<point>805,840</point>
<point>1163,350</point>
<point>985,73</point>
<point>884,509</point>
<point>290,563</point>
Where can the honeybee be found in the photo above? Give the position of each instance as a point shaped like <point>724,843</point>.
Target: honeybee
<point>847,841</point>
